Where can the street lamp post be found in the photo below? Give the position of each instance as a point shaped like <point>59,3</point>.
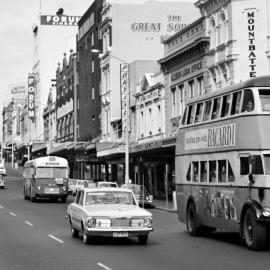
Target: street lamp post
<point>125,91</point>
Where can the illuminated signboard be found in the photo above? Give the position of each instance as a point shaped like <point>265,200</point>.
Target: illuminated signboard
<point>62,20</point>
<point>31,97</point>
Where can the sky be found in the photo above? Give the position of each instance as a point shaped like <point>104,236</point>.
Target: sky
<point>17,18</point>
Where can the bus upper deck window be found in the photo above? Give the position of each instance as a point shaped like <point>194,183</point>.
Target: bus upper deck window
<point>267,164</point>
<point>198,113</point>
<point>216,108</point>
<point>225,106</point>
<point>265,99</point>
<point>184,117</point>
<point>196,171</point>
<point>248,101</point>
<point>236,102</point>
<point>222,171</point>
<point>207,110</point>
<point>191,112</point>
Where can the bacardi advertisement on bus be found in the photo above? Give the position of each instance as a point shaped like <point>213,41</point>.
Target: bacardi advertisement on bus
<point>31,97</point>
<point>214,137</point>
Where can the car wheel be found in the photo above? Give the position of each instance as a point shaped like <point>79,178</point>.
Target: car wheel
<point>254,232</point>
<point>85,237</point>
<point>143,239</point>
<point>74,232</point>
<point>192,220</point>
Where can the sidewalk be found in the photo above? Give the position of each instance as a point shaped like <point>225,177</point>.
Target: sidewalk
<point>164,206</point>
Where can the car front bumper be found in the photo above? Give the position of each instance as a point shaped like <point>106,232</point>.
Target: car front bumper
<point>118,232</point>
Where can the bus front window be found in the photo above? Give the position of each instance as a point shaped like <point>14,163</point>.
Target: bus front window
<point>265,99</point>
<point>52,172</point>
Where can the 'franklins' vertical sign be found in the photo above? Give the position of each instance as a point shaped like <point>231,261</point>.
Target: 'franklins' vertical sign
<point>124,87</point>
<point>31,97</point>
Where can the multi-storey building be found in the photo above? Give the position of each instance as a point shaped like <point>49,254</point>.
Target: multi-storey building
<point>131,32</point>
<point>52,35</point>
<point>239,34</point>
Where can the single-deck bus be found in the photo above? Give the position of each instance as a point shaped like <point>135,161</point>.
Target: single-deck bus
<point>46,177</point>
<point>223,162</point>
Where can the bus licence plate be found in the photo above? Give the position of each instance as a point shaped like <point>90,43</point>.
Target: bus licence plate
<point>51,190</point>
<point>120,234</point>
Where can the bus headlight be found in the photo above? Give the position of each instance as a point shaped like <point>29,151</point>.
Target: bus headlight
<point>266,212</point>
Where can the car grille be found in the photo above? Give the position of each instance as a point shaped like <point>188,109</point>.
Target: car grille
<point>120,222</point>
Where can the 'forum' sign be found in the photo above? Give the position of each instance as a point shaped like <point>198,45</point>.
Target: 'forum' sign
<point>31,97</point>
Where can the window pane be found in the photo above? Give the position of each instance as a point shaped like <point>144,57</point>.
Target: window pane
<point>236,102</point>
<point>265,99</point>
<point>244,166</point>
<point>222,171</point>
<point>225,106</point>
<point>198,114</point>
<point>196,171</point>
<point>203,171</point>
<point>212,171</point>
<point>189,173</point>
<point>231,177</point>
<point>184,116</point>
<point>191,112</point>
<point>216,108</point>
<point>267,164</point>
<point>207,110</point>
<point>257,167</point>
<point>248,101</point>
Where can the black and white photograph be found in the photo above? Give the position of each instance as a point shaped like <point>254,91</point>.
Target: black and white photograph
<point>135,134</point>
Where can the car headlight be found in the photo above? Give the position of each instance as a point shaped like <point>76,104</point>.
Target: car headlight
<point>137,222</point>
<point>103,223</point>
<point>266,212</point>
<point>91,222</point>
<point>147,222</point>
<point>64,188</point>
<point>38,187</point>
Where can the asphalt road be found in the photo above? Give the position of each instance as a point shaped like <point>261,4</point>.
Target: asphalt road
<point>37,236</point>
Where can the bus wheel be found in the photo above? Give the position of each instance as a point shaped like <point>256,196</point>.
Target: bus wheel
<point>192,226</point>
<point>254,232</point>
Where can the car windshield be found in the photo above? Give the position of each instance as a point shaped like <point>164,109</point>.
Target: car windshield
<point>107,185</point>
<point>109,197</point>
<point>51,172</point>
<point>137,188</point>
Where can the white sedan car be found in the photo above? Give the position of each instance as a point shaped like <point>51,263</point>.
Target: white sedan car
<point>112,212</point>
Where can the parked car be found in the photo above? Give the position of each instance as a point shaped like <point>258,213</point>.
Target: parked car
<point>106,184</point>
<point>112,212</point>
<point>72,186</point>
<point>142,195</point>
<point>83,183</point>
<point>2,169</point>
<point>2,181</point>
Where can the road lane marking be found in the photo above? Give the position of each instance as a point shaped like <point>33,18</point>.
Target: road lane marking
<point>56,239</point>
<point>13,214</point>
<point>104,266</point>
<point>28,223</point>
<point>2,207</point>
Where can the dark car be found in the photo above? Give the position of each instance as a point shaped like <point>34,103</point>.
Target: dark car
<point>142,195</point>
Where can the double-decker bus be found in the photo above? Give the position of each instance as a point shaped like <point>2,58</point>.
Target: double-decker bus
<point>46,177</point>
<point>223,162</point>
